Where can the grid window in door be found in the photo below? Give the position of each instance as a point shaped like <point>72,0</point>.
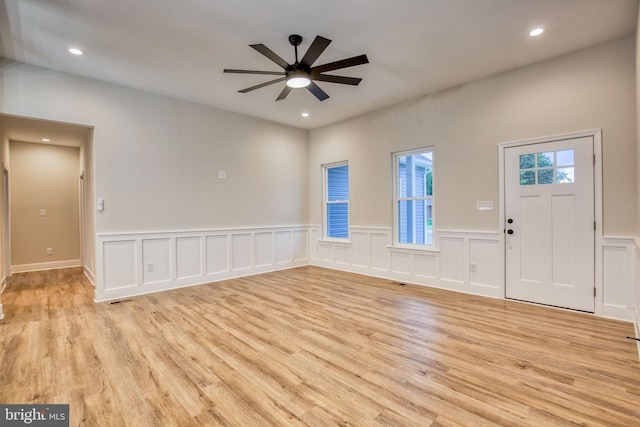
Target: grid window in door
<point>551,167</point>
<point>413,197</point>
<point>336,205</point>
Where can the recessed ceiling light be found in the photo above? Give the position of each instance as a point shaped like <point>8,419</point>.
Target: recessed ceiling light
<point>46,140</point>
<point>305,114</point>
<point>536,32</point>
<point>76,51</point>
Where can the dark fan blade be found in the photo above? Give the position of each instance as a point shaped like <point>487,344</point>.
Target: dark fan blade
<point>337,79</point>
<point>319,93</point>
<point>270,54</point>
<point>284,93</point>
<point>345,63</point>
<point>271,73</point>
<point>315,50</point>
<point>249,89</point>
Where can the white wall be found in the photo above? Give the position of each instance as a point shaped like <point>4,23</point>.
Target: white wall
<point>586,90</point>
<point>581,91</point>
<point>44,177</point>
<point>157,158</point>
<point>156,165</point>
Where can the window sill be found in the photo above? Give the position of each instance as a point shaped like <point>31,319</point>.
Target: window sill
<point>333,241</point>
<point>413,248</point>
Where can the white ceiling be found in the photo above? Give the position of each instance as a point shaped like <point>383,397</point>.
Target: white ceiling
<point>415,47</point>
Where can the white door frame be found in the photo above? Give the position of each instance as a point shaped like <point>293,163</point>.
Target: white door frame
<point>6,258</point>
<point>597,182</point>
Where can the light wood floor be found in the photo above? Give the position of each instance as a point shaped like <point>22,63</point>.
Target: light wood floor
<point>313,347</point>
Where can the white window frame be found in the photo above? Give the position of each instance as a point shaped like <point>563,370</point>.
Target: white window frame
<point>326,202</point>
<point>396,172</point>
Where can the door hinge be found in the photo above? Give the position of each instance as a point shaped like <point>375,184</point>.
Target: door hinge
<point>594,159</point>
<point>594,226</point>
<point>594,292</point>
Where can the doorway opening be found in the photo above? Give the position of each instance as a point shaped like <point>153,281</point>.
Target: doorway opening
<point>47,203</point>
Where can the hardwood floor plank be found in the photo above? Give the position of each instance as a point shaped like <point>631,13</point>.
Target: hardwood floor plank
<point>315,347</point>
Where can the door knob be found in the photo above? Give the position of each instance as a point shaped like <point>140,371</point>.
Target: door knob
<point>509,231</point>
<point>510,221</point>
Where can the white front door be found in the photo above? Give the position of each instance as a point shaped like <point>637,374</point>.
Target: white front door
<point>549,214</point>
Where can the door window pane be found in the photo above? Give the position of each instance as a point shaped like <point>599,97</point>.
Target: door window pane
<point>564,175</point>
<point>527,177</point>
<point>564,158</point>
<point>545,176</point>
<point>553,167</point>
<point>545,160</point>
<point>527,161</point>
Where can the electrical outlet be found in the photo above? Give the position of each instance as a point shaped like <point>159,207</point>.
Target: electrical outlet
<point>473,267</point>
<point>151,266</point>
<point>49,251</point>
<point>43,212</point>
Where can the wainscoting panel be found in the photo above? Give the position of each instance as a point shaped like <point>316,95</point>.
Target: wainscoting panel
<point>452,259</point>
<point>483,253</point>
<point>401,262</point>
<point>120,263</point>
<point>300,248</point>
<point>619,271</point>
<point>241,253</point>
<point>283,247</point>
<point>156,260</point>
<point>217,254</point>
<point>264,249</point>
<point>361,255</point>
<point>470,262</point>
<point>370,252</point>
<point>426,265</point>
<point>188,257</point>
<point>139,263</point>
<point>380,255</point>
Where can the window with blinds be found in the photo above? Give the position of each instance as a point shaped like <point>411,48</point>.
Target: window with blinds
<point>336,203</point>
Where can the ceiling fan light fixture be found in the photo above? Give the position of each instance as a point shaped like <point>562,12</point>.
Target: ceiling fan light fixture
<point>536,32</point>
<point>297,82</point>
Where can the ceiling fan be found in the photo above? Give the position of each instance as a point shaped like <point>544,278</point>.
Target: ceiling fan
<point>301,73</point>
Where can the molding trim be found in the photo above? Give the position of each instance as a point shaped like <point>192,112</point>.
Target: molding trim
<point>466,261</point>
<point>142,263</point>
<point>90,275</point>
<point>371,253</point>
<point>618,276</point>
<point>23,268</point>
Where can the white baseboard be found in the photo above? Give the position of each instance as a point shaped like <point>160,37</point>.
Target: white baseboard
<point>90,275</point>
<point>45,266</point>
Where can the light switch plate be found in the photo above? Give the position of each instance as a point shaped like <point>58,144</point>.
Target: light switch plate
<point>484,206</point>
